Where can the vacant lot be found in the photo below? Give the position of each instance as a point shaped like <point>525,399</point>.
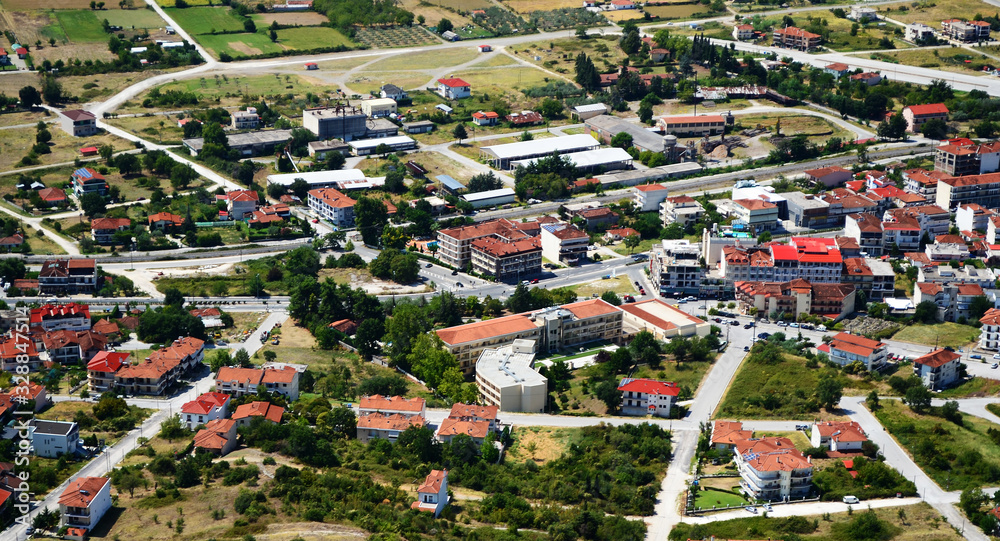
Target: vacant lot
<point>940,334</point>
<point>31,26</point>
<point>258,85</point>
<point>127,18</point>
<point>364,82</point>
<point>620,285</point>
<point>624,15</point>
<point>541,443</point>
<point>678,11</point>
<point>817,130</point>
<point>312,38</point>
<point>426,60</point>
<point>237,45</point>
<point>439,164</point>
<point>866,39</point>
<point>528,6</point>
<point>81,26</point>
<point>25,5</point>
<point>955,456</point>
<point>306,18</point>
<point>505,79</point>
<point>932,12</point>
<point>433,13</point>
<point>205,20</point>
<point>16,143</point>
<point>956,59</point>
<point>687,375</point>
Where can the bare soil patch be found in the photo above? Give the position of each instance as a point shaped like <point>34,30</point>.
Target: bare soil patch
<point>45,4</point>
<point>290,19</point>
<point>244,48</point>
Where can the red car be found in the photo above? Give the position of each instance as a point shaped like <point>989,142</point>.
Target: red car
<point>315,221</point>
<point>535,281</point>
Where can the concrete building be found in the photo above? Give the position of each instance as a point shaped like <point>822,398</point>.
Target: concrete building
<point>772,469</point>
<point>564,243</point>
<point>649,196</point>
<point>583,112</point>
<point>839,437</point>
<point>551,329</point>
<point>249,144</point>
<point>602,159</point>
<point>956,161</point>
<point>862,14</point>
<point>725,435</point>
<point>918,32</point>
<point>500,156</point>
<point>743,32</point>
<point>796,38</point>
<point>455,244</point>
<point>931,219</point>
<point>681,209</point>
<point>966,274</point>
<point>51,439</point>
<point>967,31</point>
<point>332,205</point>
<point>78,123</point>
<point>692,126</point>
<point>872,276</point>
<point>866,229</point>
<point>378,107</point>
<point>506,378</point>
<point>453,88</point>
<point>807,210</point>
<point>983,190</point>
<point>954,300</point>
<point>938,369</point>
<point>641,397</point>
<point>663,320</point>
<point>418,126</point>
<point>989,335</point>
<point>675,265</point>
<point>245,120</point>
<point>757,215</point>
<point>918,115</point>
<point>490,198</point>
<point>342,122</point>
<point>797,297</point>
<point>395,143</point>
<point>507,260</point>
<point>317,179</point>
<point>205,408</point>
<point>84,502</point>
<point>606,127</point>
<point>847,348</point>
<point>829,176</point>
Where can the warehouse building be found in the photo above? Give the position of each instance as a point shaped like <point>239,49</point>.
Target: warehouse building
<point>365,147</point>
<point>490,198</point>
<point>501,155</point>
<point>606,159</point>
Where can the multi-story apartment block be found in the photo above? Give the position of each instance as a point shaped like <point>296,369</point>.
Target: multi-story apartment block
<point>846,348</point>
<point>845,202</point>
<point>56,317</point>
<point>932,219</point>
<point>78,123</point>
<point>795,298</point>
<point>796,38</point>
<point>901,233</point>
<point>564,243</point>
<point>966,30</point>
<point>85,180</point>
<point>333,206</point>
<point>162,368</point>
<point>756,214</point>
<point>84,502</point>
<point>866,229</point>
<point>923,182</point>
<point>872,276</point>
<point>989,335</point>
<point>812,259</point>
<point>972,217</point>
<point>807,210</point>
<point>647,397</point>
<point>507,379</point>
<point>102,368</point>
<point>455,244</point>
<point>207,407</point>
<point>966,274</point>
<point>507,260</point>
<point>246,381</point>
<point>245,120</point>
<point>981,189</point>
<point>649,196</point>
<point>937,369</point>
<point>345,123</point>
<point>551,329</point>
<point>681,209</point>
<point>676,266</point>
<point>918,115</point>
<point>67,276</point>
<point>772,469</point>
<point>953,300</point>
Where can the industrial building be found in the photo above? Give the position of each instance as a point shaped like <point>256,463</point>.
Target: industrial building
<point>343,122</point>
<point>606,159</point>
<point>255,143</point>
<point>501,155</point>
<point>317,179</point>
<point>365,147</point>
<point>490,198</point>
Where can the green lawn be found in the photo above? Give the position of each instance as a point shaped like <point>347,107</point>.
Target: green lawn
<point>955,456</point>
<point>717,498</point>
<point>260,85</point>
<point>139,18</point>
<point>81,26</point>
<point>237,45</point>
<point>620,285</point>
<point>938,334</point>
<point>203,20</point>
<point>312,37</point>
<point>684,375</point>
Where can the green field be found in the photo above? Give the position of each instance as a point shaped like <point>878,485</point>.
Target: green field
<point>939,334</point>
<point>81,26</point>
<point>955,456</point>
<point>204,20</point>
<point>312,37</point>
<point>238,45</point>
<point>426,60</point>
<point>261,85</point>
<point>139,18</point>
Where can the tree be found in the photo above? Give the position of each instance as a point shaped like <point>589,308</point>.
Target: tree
<point>829,391</point>
<point>29,97</point>
<point>51,90</point>
<point>950,412</point>
<point>862,154</point>
<point>611,297</point>
<point>764,237</point>
<point>444,25</point>
<point>985,129</point>
<point>106,151</point>
<point>129,480</point>
<point>366,338</point>
<point>273,35</point>
<point>249,26</point>
<point>92,204</point>
<point>934,129</point>
<point>394,181</point>
<point>926,312</point>
<point>429,360</point>
<point>243,172</point>
<point>395,238</point>
<point>978,307</point>
<point>872,400</point>
<point>370,217</point>
<point>918,398</point>
<point>242,358</point>
<point>484,182</point>
<point>172,428</point>
<point>622,140</point>
<point>127,164</point>
<point>632,241</point>
<point>459,131</point>
<point>586,72</point>
<point>173,297</point>
<point>551,108</point>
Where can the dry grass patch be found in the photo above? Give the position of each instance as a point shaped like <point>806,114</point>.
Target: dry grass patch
<point>136,521</point>
<point>933,12</point>
<point>161,446</point>
<point>26,118</point>
<point>368,82</point>
<point>306,18</point>
<point>541,443</point>
<point>17,142</point>
<point>529,6</point>
<point>433,14</point>
<point>25,5</point>
<point>439,164</point>
<point>620,285</point>
<point>430,60</point>
<point>622,15</point>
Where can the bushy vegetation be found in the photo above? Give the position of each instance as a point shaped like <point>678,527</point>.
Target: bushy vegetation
<point>875,480</point>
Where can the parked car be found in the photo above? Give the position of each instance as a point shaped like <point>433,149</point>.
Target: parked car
<point>429,265</point>
<point>534,280</point>
<point>746,348</point>
<point>734,322</point>
<point>996,355</point>
<point>801,427</point>
<point>717,319</point>
<point>821,328</point>
<point>994,365</point>
<point>851,499</point>
<point>975,356</point>
<point>793,325</point>
<point>767,507</point>
<point>764,335</point>
<point>751,508</point>
<point>748,325</point>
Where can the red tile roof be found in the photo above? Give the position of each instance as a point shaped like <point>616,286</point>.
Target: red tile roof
<point>391,403</point>
<point>729,432</point>
<point>479,330</point>
<point>928,109</point>
<point>259,409</point>
<point>206,403</point>
<point>473,410</point>
<point>454,82</point>
<point>81,491</point>
<point>332,197</point>
<point>938,357</point>
<point>473,429</point>
<point>649,386</point>
<point>432,484</point>
<point>396,421</point>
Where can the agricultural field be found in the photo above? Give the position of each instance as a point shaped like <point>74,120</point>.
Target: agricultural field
<point>676,11</point>
<point>312,38</point>
<point>127,18</point>
<point>434,10</point>
<point>954,59</point>
<point>81,26</point>
<point>430,60</point>
<point>932,12</point>
<point>205,20</point>
<point>529,6</point>
<point>305,18</point>
<point>256,85</point>
<point>623,15</point>
<point>561,57</point>
<point>237,45</point>
<point>25,5</point>
<point>506,79</point>
<point>398,36</point>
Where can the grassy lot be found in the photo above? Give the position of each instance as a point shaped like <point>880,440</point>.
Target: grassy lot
<point>799,439</point>
<point>439,164</point>
<point>541,443</point>
<point>940,334</point>
<point>645,245</point>
<point>781,390</point>
<point>687,375</point>
<point>706,498</point>
<point>42,245</point>
<point>677,11</point>
<point>629,14</point>
<point>17,142</point>
<point>65,411</point>
<point>497,60</point>
<point>922,523</point>
<point>161,446</point>
<point>149,126</point>
<point>931,12</point>
<point>427,60</point>
<point>302,18</point>
<point>818,130</point>
<point>127,18</point>
<point>258,85</point>
<point>620,285</point>
<point>955,456</point>
<point>203,20</point>
<point>312,38</point>
<point>561,56</point>
<point>369,82</point>
<point>867,38</point>
<point>238,45</point>
<point>973,388</point>
<point>949,59</point>
<point>345,64</point>
<point>81,26</point>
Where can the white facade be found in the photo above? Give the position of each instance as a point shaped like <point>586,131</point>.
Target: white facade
<point>649,196</point>
<point>51,439</point>
<point>564,243</point>
<point>506,378</point>
<point>81,492</point>
<point>378,107</point>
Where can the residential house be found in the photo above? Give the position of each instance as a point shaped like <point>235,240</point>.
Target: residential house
<point>725,435</point>
<point>432,494</point>
<point>385,425</point>
<point>475,412</point>
<point>207,407</point>
<point>393,92</point>
<point>84,502</point>
<point>51,439</point>
<point>85,180</point>
<point>847,348</point>
<point>66,347</point>
<point>918,115</point>
<point>870,78</point>
<point>453,88</point>
<point>449,428</point>
<point>333,206</point>
<point>102,368</point>
<point>743,32</point>
<point>55,317</point>
<point>52,197</point>
<point>967,31</point>
<point>756,214</point>
<point>524,118</point>
<point>240,203</point>
<point>619,233</point>
<point>647,397</point>
<point>246,413</point>
<point>796,38</point>
<point>954,300</point>
<point>837,69</point>
<point>918,32</point>
<point>772,469</point>
<point>838,436</point>
<point>78,123</point>
<point>67,276</point>
<point>989,335</point>
<point>507,260</point>
<point>284,381</point>
<point>598,218</point>
<point>345,326</point>
<point>392,405</point>
<point>218,437</point>
<point>649,196</point>
<point>488,118</point>
<point>938,369</point>
<point>165,221</point>
<point>31,392</point>
<point>972,217</point>
<point>682,209</point>
<point>829,176</point>
<point>862,13</point>
<point>103,230</point>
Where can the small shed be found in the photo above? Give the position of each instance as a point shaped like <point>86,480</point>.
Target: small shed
<point>312,66</point>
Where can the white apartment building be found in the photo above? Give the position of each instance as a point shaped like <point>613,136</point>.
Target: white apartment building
<point>757,214</point>
<point>84,502</point>
<point>676,266</point>
<point>205,408</point>
<point>841,437</point>
<point>771,469</point>
<point>937,369</point>
<point>333,206</point>
<point>506,378</point>
<point>649,196</point>
<point>989,335</point>
<point>847,348</point>
<point>641,397</point>
<point>564,243</point>
<point>682,209</point>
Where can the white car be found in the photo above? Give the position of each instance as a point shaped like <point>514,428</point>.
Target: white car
<point>996,355</point>
<point>851,499</point>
